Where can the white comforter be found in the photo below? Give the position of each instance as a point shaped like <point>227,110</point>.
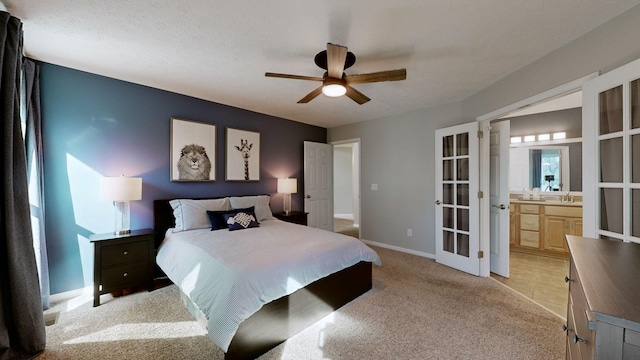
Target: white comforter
<point>229,275</point>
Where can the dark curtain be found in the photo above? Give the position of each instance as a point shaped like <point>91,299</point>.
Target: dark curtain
<point>22,332</point>
<point>33,141</point>
<point>535,171</point>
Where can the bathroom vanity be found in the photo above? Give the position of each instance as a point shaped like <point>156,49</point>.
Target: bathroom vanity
<point>539,227</point>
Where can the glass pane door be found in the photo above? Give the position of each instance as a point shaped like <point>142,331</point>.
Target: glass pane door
<point>618,152</point>
<point>457,211</point>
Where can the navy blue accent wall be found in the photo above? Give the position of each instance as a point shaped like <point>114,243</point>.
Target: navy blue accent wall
<point>95,126</point>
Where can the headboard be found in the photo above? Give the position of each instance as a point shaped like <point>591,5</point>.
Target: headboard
<point>163,216</point>
<point>162,219</point>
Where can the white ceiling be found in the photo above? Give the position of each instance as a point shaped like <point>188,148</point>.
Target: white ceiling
<point>220,50</point>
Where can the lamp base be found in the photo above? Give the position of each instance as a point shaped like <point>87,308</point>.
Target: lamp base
<point>286,206</point>
<point>123,219</point>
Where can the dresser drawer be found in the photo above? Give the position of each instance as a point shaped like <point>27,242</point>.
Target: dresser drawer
<point>124,275</point>
<point>581,313</point>
<point>530,222</point>
<point>573,353</point>
<point>530,239</point>
<point>566,211</point>
<point>124,253</point>
<point>529,209</point>
<point>579,300</point>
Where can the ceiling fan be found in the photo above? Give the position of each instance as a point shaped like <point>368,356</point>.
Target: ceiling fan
<point>335,82</point>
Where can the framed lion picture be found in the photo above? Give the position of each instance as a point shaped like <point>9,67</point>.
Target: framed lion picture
<point>193,151</point>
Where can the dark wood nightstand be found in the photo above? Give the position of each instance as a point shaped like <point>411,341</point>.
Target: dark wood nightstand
<point>122,261</point>
<point>296,217</point>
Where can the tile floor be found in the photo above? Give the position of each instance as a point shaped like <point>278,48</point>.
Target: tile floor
<point>539,278</point>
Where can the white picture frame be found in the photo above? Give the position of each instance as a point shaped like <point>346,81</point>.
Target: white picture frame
<point>193,151</point>
<point>242,155</point>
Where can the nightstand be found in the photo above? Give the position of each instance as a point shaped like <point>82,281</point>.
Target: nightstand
<point>122,261</point>
<point>296,217</point>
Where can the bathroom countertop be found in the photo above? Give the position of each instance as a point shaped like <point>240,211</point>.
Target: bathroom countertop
<point>553,202</point>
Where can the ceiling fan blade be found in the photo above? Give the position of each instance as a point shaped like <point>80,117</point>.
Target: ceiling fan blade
<point>336,56</point>
<point>390,75</point>
<point>297,77</point>
<point>310,96</point>
<point>356,95</point>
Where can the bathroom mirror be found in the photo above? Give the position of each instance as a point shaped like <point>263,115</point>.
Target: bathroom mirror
<point>548,167</point>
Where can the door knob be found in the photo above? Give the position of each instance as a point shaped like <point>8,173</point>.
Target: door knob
<point>307,196</point>
<point>576,339</point>
<point>501,206</point>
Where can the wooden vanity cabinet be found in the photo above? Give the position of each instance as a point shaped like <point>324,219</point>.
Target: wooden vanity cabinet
<point>530,226</point>
<point>513,224</point>
<point>560,221</point>
<point>541,228</point>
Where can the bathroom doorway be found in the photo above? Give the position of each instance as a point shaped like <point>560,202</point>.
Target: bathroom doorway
<point>346,187</point>
<point>534,274</point>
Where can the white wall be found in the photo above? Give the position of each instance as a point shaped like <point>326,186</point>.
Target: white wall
<point>397,153</point>
<point>605,48</point>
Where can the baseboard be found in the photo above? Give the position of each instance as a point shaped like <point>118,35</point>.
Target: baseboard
<point>400,249</point>
<point>70,294</point>
<point>343,216</point>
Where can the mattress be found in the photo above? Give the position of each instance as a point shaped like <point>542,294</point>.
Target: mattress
<point>230,275</point>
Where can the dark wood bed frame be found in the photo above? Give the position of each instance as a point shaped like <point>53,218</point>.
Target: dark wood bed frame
<point>280,319</point>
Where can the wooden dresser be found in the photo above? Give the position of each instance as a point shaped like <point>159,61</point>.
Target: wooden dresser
<point>603,314</point>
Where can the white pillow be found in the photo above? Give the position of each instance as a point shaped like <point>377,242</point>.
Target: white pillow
<point>260,202</point>
<point>192,214</point>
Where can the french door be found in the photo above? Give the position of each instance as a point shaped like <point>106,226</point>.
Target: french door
<point>611,137</point>
<point>457,205</point>
<point>499,140</point>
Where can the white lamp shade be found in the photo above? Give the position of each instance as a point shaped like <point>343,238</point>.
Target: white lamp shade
<point>287,186</point>
<point>121,188</point>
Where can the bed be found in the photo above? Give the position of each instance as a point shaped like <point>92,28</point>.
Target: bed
<point>267,293</point>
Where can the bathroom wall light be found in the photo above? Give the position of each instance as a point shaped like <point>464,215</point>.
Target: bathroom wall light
<point>559,135</point>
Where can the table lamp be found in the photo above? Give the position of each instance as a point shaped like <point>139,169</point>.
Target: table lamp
<point>121,190</point>
<point>287,187</point>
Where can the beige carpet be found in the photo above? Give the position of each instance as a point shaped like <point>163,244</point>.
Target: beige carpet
<point>418,309</point>
<point>345,226</point>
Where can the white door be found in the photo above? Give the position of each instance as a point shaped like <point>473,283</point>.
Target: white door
<point>611,149</point>
<point>457,205</point>
<point>318,184</point>
<point>499,139</point>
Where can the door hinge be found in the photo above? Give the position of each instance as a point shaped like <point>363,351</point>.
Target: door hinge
<point>480,254</point>
<point>480,134</point>
<point>480,195</point>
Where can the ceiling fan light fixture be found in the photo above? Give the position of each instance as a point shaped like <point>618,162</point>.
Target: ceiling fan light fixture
<point>334,90</point>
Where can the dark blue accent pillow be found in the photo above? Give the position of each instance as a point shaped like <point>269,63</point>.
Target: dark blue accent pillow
<point>241,220</point>
<point>217,217</point>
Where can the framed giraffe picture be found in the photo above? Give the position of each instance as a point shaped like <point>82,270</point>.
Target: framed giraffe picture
<point>243,155</point>
<point>193,151</point>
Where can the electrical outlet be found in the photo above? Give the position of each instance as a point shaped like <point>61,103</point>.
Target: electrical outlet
<point>374,187</point>
<point>409,232</point>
